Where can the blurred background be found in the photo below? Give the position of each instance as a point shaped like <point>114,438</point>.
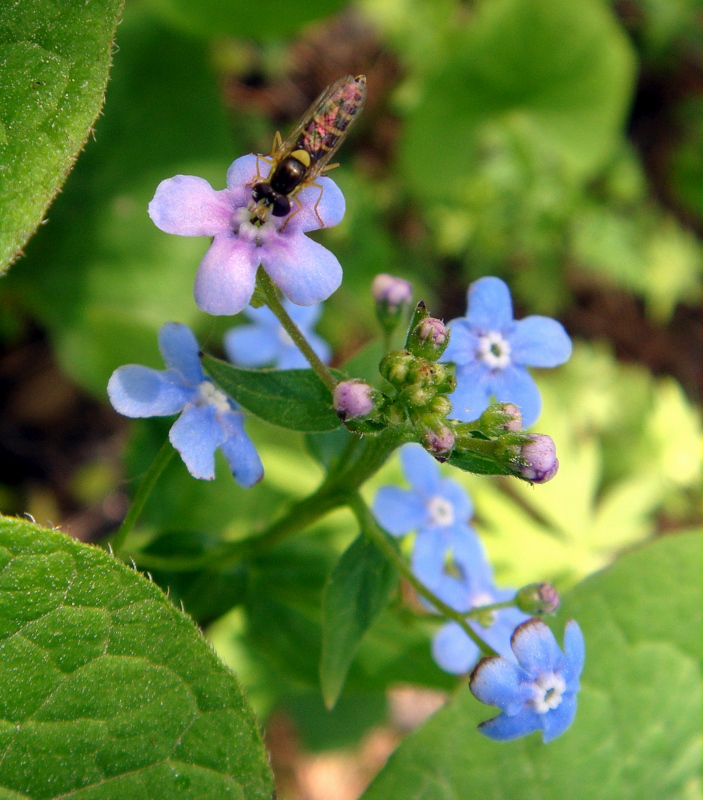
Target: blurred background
<point>551,142</point>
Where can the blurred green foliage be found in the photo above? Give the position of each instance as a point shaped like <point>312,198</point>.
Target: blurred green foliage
<point>510,156</point>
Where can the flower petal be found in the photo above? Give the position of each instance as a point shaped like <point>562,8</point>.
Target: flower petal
<point>179,349</point>
<point>137,391</point>
<point>490,307</point>
<point>463,343</point>
<point>330,202</point>
<point>196,435</point>
<point>504,728</point>
<point>458,497</point>
<point>242,174</point>
<point>421,470</point>
<point>262,316</point>
<point>226,276</point>
<point>304,317</point>
<point>305,271</point>
<point>251,346</point>
<point>398,511</point>
<point>189,206</point>
<point>514,384</point>
<point>539,342</point>
<point>535,647</point>
<point>499,682</point>
<point>574,655</point>
<point>240,452</point>
<point>472,395</point>
<point>292,358</point>
<point>558,719</point>
<point>453,651</point>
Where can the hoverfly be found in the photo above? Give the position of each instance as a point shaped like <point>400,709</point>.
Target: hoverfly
<point>305,154</point>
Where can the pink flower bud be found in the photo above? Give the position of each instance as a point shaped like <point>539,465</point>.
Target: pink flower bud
<point>539,455</point>
<point>391,291</point>
<point>432,329</point>
<point>439,443</point>
<point>353,399</point>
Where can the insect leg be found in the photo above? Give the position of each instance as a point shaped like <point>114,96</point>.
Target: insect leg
<point>299,207</point>
<point>317,203</point>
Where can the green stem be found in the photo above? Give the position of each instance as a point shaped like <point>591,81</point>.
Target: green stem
<point>370,526</point>
<point>270,293</point>
<point>158,465</point>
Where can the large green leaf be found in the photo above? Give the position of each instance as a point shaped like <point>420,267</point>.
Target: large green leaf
<point>109,692</point>
<point>563,66</point>
<point>358,590</point>
<point>637,730</point>
<point>292,398</point>
<point>54,60</point>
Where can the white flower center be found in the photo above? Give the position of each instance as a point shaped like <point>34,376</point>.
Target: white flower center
<point>487,618</point>
<point>245,228</point>
<point>494,350</point>
<point>211,395</point>
<point>284,338</point>
<point>441,512</point>
<point>548,692</point>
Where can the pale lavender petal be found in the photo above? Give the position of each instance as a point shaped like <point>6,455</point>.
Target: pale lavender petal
<point>575,654</point>
<point>137,391</point>
<point>421,470</point>
<point>504,728</point>
<point>179,349</point>
<point>189,206</point>
<point>558,719</point>
<point>304,317</point>
<point>304,270</point>
<point>472,395</point>
<point>453,651</point>
<point>397,510</point>
<point>330,202</point>
<point>535,648</point>
<point>539,342</point>
<point>251,346</point>
<point>463,343</point>
<point>196,435</point>
<point>502,683</point>
<point>226,276</point>
<point>490,307</point>
<point>240,452</point>
<point>242,174</point>
<point>515,385</point>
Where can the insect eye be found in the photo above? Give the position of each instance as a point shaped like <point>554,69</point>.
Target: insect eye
<point>262,191</point>
<point>281,206</point>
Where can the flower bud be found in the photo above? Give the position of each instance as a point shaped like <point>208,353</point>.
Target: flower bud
<point>500,417</point>
<point>441,405</point>
<point>417,396</point>
<point>538,599</point>
<point>438,441</point>
<point>354,399</point>
<point>392,296</point>
<point>429,338</point>
<point>539,462</point>
<point>395,366</point>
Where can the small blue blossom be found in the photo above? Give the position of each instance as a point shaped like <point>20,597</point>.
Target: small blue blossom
<point>537,693</point>
<point>439,510</point>
<point>304,270</point>
<point>452,649</point>
<point>209,419</point>
<point>492,351</point>
<point>265,342</point>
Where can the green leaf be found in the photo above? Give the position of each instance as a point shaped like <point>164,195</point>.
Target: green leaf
<point>109,692</point>
<point>358,590</point>
<point>478,463</point>
<point>54,61</point>
<point>637,730</point>
<point>292,398</point>
<point>241,18</point>
<point>563,68</point>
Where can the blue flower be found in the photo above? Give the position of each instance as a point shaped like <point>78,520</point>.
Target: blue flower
<point>304,270</point>
<point>266,343</point>
<point>492,351</point>
<point>439,510</point>
<point>209,419</point>
<point>452,649</point>
<point>537,693</point>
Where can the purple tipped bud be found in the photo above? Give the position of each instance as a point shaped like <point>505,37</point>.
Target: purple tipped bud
<point>501,417</point>
<point>539,458</point>
<point>439,442</point>
<point>538,599</point>
<point>354,399</point>
<point>391,291</point>
<point>429,338</point>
